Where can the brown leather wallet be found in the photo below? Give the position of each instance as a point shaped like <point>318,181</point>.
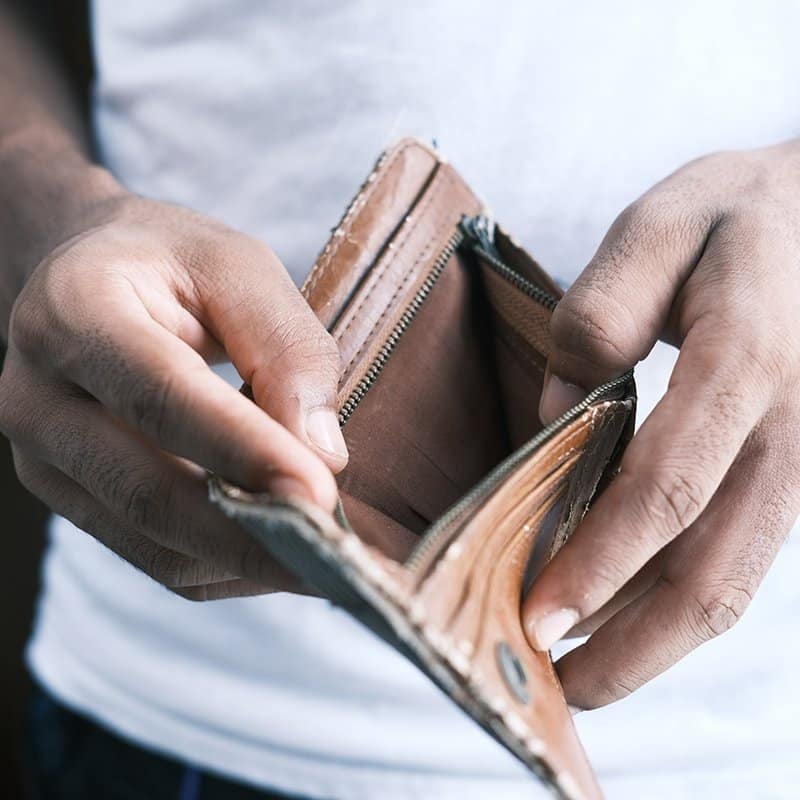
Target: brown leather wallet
<point>455,494</point>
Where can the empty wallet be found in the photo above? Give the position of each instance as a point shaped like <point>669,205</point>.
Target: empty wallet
<point>455,494</point>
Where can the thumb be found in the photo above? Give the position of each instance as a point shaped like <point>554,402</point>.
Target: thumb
<point>280,349</point>
<point>618,307</point>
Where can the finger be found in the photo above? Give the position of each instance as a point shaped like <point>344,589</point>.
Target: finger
<point>669,473</point>
<point>275,341</point>
<point>66,498</point>
<point>709,576</point>
<point>162,387</point>
<point>615,311</point>
<point>632,590</point>
<point>147,490</point>
<point>722,385</point>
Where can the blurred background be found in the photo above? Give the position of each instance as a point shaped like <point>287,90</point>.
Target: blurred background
<point>23,527</point>
<point>23,519</point>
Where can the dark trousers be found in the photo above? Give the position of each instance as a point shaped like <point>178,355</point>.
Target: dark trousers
<point>69,757</point>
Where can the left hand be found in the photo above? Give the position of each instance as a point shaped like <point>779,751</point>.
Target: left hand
<point>671,554</point>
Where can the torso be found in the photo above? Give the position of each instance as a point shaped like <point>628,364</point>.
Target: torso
<point>268,116</point>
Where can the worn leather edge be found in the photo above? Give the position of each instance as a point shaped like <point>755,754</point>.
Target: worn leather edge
<point>395,184</point>
<point>592,469</point>
<point>294,533</point>
<point>398,273</point>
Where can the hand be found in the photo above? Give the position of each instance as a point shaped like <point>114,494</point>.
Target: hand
<point>114,414</point>
<point>672,552</point>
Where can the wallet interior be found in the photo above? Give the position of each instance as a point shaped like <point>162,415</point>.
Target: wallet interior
<point>458,392</point>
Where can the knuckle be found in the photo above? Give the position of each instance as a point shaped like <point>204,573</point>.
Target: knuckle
<point>140,505</point>
<point>168,567</point>
<point>669,501</point>
<point>578,328</point>
<point>300,344</point>
<point>26,328</point>
<point>299,353</point>
<point>716,610</point>
<point>48,309</point>
<point>218,257</point>
<point>147,503</point>
<point>615,687</point>
<point>658,218</point>
<point>150,404</point>
<point>637,219</point>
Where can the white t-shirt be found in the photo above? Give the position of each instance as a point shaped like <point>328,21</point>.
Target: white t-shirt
<point>268,115</point>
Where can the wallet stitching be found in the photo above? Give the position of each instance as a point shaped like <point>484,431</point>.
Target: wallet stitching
<point>360,200</point>
<point>334,243</point>
<point>438,227</point>
<point>380,274</point>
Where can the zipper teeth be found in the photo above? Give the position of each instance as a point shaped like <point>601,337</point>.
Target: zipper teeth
<point>512,276</point>
<point>411,311</point>
<point>483,489</point>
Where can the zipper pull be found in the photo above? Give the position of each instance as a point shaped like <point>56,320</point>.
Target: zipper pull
<point>479,230</point>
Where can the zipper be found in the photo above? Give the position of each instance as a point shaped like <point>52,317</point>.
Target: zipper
<point>447,523</point>
<point>480,231</point>
<point>407,317</point>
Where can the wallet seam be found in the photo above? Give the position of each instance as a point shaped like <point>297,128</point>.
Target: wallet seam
<point>447,180</point>
<point>382,167</point>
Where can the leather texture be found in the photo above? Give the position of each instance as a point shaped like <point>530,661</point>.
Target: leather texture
<point>455,495</point>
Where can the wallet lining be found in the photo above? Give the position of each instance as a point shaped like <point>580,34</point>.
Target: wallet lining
<point>459,394</point>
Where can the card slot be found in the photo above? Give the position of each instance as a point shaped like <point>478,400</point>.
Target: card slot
<point>529,319</point>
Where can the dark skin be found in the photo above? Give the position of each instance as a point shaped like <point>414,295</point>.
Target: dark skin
<point>672,553</point>
<point>113,306</point>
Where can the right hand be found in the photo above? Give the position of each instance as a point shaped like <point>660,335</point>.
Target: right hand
<point>114,414</point>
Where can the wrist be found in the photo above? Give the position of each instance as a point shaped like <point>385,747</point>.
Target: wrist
<point>50,183</point>
<point>50,192</point>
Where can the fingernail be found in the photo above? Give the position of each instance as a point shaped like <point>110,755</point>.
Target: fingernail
<point>558,396</point>
<point>574,709</point>
<point>547,630</point>
<point>322,428</point>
